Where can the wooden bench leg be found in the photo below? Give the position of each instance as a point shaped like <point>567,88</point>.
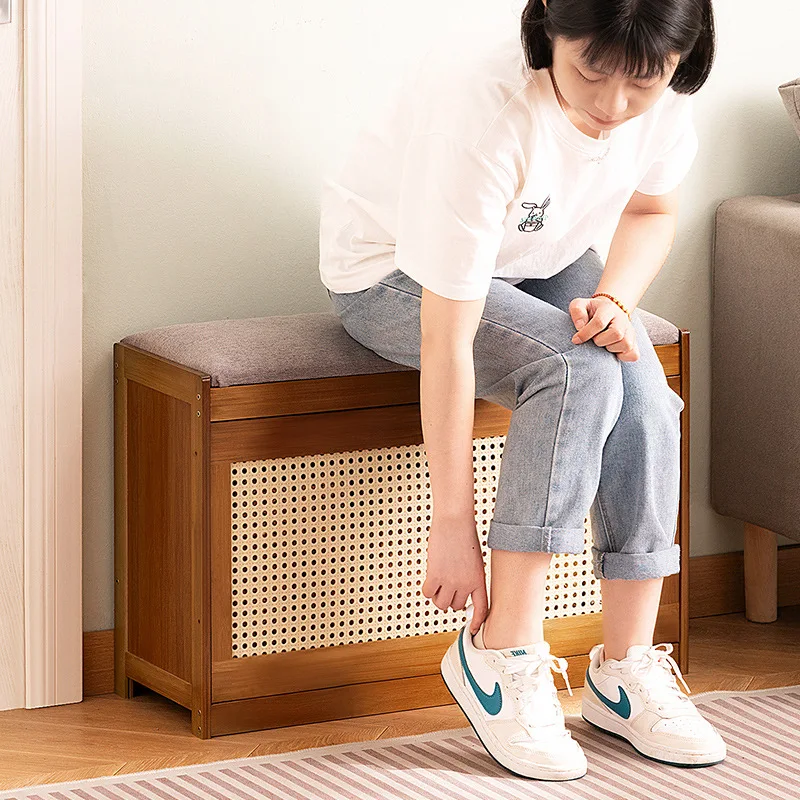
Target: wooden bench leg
<point>760,574</point>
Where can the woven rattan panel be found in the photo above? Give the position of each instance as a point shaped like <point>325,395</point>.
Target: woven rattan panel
<point>331,549</point>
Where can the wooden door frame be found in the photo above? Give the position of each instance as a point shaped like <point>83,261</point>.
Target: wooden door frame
<point>52,347</point>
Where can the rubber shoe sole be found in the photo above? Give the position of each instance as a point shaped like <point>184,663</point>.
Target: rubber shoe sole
<point>474,715</point>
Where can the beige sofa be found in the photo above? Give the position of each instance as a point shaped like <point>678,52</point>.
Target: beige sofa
<point>755,376</point>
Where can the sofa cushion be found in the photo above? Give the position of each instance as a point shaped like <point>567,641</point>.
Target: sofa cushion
<point>288,348</point>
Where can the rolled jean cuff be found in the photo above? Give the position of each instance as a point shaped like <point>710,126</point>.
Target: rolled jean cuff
<point>636,566</point>
<point>535,539</point>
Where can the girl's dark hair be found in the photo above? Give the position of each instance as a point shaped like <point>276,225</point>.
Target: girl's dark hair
<point>638,35</point>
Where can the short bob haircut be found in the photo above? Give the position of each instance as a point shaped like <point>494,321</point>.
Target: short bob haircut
<point>639,35</point>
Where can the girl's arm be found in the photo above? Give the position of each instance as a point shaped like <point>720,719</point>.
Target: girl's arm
<point>640,246</point>
<point>447,401</point>
<point>455,566</point>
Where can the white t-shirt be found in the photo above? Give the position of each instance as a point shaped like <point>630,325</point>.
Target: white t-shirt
<point>473,171</point>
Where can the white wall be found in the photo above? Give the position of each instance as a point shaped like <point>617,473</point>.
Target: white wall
<point>205,134</point>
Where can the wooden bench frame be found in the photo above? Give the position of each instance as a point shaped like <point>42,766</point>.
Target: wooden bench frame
<point>175,437</point>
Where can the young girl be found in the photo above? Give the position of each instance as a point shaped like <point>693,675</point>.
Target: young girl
<point>459,238</point>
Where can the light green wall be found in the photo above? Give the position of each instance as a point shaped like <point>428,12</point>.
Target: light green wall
<point>207,126</point>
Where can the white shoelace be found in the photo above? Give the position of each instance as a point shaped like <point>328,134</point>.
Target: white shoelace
<point>654,671</point>
<point>536,693</point>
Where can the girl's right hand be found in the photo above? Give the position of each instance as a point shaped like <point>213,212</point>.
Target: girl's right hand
<point>455,568</point>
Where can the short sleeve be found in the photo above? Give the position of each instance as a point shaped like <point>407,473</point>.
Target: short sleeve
<point>676,156</point>
<point>451,211</point>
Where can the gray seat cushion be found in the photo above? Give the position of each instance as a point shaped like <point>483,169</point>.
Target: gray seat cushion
<point>288,348</point>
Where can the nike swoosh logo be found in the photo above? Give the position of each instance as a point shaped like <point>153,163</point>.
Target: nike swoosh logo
<point>621,706</point>
<point>492,703</point>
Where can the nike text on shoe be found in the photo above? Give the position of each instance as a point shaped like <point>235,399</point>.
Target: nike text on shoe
<point>638,699</point>
<point>510,700</point>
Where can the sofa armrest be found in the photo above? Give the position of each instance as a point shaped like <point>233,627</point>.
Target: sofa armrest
<point>755,362</point>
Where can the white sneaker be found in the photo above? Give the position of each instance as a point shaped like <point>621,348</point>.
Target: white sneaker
<point>510,700</point>
<point>638,699</point>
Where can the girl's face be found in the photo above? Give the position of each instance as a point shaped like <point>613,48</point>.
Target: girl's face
<point>603,101</point>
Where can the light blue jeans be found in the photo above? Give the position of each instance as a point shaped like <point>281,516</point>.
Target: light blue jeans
<point>589,434</point>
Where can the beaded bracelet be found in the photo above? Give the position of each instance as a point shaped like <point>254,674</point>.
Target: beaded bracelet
<point>614,299</point>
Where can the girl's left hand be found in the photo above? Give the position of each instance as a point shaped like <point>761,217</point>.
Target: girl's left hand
<point>601,319</point>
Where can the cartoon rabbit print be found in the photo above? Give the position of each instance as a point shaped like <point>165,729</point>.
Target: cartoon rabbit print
<point>536,217</point>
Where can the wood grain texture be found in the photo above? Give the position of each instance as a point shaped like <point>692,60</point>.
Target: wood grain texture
<point>684,528</point>
<point>390,660</point>
<point>717,581</point>
<point>173,464</point>
<point>352,392</point>
<point>159,529</point>
<point>334,431</point>
<point>121,684</point>
<point>760,573</point>
<point>221,605</point>
<point>312,396</point>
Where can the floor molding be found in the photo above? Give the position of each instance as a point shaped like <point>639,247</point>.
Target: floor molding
<point>716,586</point>
<point>716,582</point>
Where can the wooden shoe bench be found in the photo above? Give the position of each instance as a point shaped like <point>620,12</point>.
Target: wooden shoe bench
<point>271,513</point>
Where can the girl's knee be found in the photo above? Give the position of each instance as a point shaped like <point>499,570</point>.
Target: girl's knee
<point>597,365</point>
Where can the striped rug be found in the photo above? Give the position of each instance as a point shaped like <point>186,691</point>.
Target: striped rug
<point>761,729</point>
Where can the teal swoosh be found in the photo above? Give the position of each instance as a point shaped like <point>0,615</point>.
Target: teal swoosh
<point>492,703</point>
<point>621,706</point>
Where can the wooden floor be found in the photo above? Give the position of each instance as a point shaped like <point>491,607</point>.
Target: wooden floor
<point>106,735</point>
